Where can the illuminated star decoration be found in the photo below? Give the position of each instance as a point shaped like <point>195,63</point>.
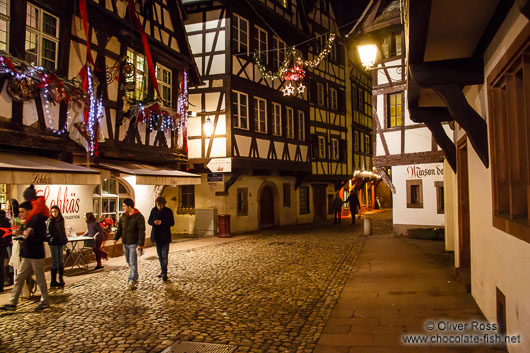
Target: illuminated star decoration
<point>288,90</point>
<point>301,88</point>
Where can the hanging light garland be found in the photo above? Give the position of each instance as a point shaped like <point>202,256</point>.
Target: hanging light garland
<point>95,112</point>
<point>291,69</point>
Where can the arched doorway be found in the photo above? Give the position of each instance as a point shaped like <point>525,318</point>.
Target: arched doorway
<point>266,208</point>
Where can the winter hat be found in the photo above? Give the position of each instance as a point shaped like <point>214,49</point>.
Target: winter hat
<point>30,194</point>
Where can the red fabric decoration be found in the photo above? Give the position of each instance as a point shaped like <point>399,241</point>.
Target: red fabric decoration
<point>139,28</point>
<point>82,10</point>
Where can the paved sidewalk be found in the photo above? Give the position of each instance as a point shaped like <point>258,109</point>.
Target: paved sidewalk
<point>397,285</point>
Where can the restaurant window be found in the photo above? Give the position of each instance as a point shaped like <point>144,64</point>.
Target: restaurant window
<point>262,45</point>
<point>164,77</point>
<point>320,94</point>
<point>276,119</point>
<point>4,24</point>
<point>3,196</point>
<point>286,195</point>
<point>290,122</point>
<point>439,185</point>
<point>240,110</point>
<point>414,193</point>
<point>186,199</point>
<point>42,37</point>
<point>301,125</point>
<point>240,34</point>
<point>136,84</point>
<point>303,196</point>
<point>279,52</point>
<point>394,111</point>
<point>260,114</point>
<point>510,144</point>
<point>242,202</point>
<point>321,147</point>
<point>108,198</point>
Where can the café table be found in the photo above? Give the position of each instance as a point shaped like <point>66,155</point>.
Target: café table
<point>75,252</point>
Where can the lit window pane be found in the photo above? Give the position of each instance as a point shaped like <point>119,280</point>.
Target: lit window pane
<point>32,17</point>
<point>49,24</point>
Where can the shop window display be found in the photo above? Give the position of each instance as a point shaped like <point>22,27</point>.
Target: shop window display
<point>108,199</point>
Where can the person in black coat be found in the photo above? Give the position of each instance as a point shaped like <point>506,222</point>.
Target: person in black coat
<point>161,219</point>
<point>355,205</point>
<point>33,232</point>
<point>56,240</point>
<point>5,242</point>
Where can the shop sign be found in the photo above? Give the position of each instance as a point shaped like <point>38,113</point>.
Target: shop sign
<point>220,165</point>
<point>415,172</point>
<point>215,177</point>
<point>41,179</point>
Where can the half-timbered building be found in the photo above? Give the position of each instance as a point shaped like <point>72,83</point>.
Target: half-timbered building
<point>475,73</point>
<point>403,147</point>
<point>282,156</point>
<point>129,145</point>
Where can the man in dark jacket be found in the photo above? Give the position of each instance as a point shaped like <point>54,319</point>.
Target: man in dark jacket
<point>355,205</point>
<point>5,242</point>
<point>131,228</point>
<point>161,219</point>
<point>33,233</point>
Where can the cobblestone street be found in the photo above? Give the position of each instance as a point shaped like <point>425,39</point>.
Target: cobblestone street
<point>270,292</point>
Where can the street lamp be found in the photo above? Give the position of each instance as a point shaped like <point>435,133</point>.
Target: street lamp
<point>208,127</point>
<point>367,54</point>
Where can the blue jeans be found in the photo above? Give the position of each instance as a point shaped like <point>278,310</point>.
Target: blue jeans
<point>57,256</point>
<point>129,250</point>
<point>163,251</point>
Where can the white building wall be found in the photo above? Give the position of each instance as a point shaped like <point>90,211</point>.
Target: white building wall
<point>498,260</point>
<point>412,217</point>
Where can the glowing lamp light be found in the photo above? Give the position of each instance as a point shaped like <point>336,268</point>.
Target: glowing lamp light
<point>367,54</point>
<point>208,127</point>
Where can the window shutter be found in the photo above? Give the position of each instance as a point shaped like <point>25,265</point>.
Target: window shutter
<point>341,101</point>
<point>343,153</point>
<point>313,91</point>
<point>314,146</point>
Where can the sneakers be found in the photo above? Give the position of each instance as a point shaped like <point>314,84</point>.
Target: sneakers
<point>131,285</point>
<point>98,267</point>
<point>8,307</point>
<point>160,275</point>
<point>42,306</point>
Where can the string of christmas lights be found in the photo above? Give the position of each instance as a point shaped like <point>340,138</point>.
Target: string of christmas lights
<point>95,112</point>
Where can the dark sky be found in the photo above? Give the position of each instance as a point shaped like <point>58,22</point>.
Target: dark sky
<point>350,10</point>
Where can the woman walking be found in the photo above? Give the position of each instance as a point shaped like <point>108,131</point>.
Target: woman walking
<point>5,242</point>
<point>56,239</point>
<point>94,230</point>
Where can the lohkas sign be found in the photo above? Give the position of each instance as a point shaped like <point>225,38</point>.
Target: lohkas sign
<point>220,165</point>
<point>415,172</point>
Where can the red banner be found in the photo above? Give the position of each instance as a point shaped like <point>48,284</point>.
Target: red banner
<point>139,28</point>
<point>82,10</point>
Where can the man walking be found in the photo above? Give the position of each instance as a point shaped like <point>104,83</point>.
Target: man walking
<point>131,228</point>
<point>33,234</point>
<point>161,219</point>
<point>337,207</point>
<point>355,205</point>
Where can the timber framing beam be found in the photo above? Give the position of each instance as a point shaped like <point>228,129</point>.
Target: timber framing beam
<point>445,143</point>
<point>458,71</point>
<point>475,127</point>
<point>524,7</point>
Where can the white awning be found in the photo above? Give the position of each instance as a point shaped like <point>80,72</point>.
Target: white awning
<point>23,169</point>
<point>150,175</point>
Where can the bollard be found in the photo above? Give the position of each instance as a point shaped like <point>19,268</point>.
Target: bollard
<point>367,226</point>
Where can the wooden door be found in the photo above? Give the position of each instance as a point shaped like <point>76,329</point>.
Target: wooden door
<point>266,208</point>
<point>464,236</point>
<point>319,203</point>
